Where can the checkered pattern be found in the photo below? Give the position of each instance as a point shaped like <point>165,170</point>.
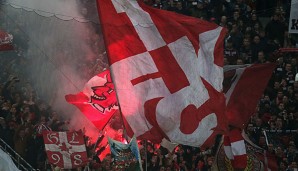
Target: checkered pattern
<point>167,72</point>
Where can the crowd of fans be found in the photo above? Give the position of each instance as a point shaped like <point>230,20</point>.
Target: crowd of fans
<point>249,40</point>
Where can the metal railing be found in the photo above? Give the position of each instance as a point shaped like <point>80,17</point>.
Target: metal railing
<point>18,160</point>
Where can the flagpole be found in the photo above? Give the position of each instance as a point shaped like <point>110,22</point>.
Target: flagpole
<point>146,164</point>
<point>101,134</point>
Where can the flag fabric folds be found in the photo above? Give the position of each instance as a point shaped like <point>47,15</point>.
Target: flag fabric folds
<point>125,156</point>
<point>267,160</point>
<point>167,71</point>
<point>243,87</point>
<point>235,150</point>
<point>5,41</point>
<point>258,159</point>
<point>97,101</point>
<point>66,150</point>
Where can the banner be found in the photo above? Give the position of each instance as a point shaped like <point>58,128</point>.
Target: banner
<point>97,101</point>
<point>66,150</point>
<point>293,20</point>
<point>243,87</point>
<point>125,156</point>
<point>167,71</point>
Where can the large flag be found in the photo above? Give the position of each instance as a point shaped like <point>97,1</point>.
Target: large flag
<point>5,41</point>
<point>243,87</point>
<point>125,156</point>
<point>65,149</point>
<point>167,71</point>
<point>97,101</point>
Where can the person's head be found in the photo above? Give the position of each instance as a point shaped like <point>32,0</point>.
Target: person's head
<point>262,141</point>
<point>261,56</point>
<point>236,15</point>
<point>239,62</point>
<point>234,28</point>
<point>223,19</point>
<point>246,42</point>
<point>254,17</point>
<point>280,94</point>
<point>256,39</point>
<point>288,67</point>
<point>272,125</point>
<point>162,168</point>
<point>256,26</point>
<point>179,5</point>
<point>282,165</point>
<point>279,122</point>
<point>226,61</point>
<point>2,121</point>
<point>294,62</point>
<point>270,147</point>
<point>229,44</point>
<point>22,133</point>
<point>276,16</point>
<point>293,165</point>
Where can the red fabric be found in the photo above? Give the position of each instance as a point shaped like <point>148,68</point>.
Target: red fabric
<point>66,150</point>
<point>168,82</point>
<point>244,87</point>
<point>234,147</point>
<point>97,101</point>
<point>5,41</point>
<point>269,161</point>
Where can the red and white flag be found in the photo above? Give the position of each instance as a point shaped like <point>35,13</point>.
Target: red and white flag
<point>167,71</point>
<point>268,160</point>
<point>243,87</point>
<point>235,150</point>
<point>66,150</point>
<point>5,41</point>
<point>97,101</point>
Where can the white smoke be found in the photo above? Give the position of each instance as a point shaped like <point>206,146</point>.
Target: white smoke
<point>61,43</point>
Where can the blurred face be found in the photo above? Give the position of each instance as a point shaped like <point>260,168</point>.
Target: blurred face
<point>22,133</point>
<point>294,61</point>
<point>278,123</point>
<point>239,62</point>
<point>256,39</point>
<point>254,17</point>
<point>236,15</point>
<point>288,67</point>
<point>294,165</point>
<point>261,56</point>
<point>246,42</point>
<point>223,19</point>
<point>179,5</point>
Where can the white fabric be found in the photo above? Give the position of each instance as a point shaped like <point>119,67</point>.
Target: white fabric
<point>228,152</point>
<point>6,163</point>
<point>168,145</point>
<point>238,148</point>
<point>65,10</point>
<point>171,106</point>
<point>293,17</point>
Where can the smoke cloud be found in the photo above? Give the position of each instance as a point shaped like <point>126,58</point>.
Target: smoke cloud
<point>60,46</point>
